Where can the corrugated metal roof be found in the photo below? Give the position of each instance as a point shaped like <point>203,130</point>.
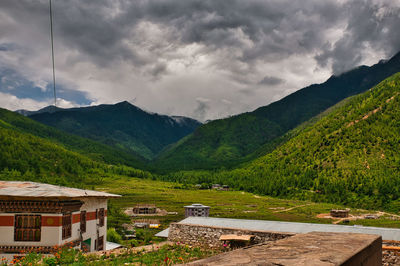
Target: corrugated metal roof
<point>163,233</point>
<point>289,227</point>
<point>39,190</point>
<point>112,245</point>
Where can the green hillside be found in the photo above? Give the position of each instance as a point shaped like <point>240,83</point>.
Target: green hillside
<point>96,151</point>
<point>349,156</point>
<point>31,151</point>
<point>122,125</point>
<point>227,142</point>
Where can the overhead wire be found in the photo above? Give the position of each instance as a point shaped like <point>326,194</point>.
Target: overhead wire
<point>52,53</point>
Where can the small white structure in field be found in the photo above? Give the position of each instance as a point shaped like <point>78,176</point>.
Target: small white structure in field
<point>197,209</point>
<point>38,217</point>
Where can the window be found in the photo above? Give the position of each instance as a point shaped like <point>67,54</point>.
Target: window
<point>101,217</point>
<point>83,221</point>
<point>66,225</point>
<point>99,243</point>
<point>27,227</point>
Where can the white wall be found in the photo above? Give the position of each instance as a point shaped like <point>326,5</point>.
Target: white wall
<point>90,205</point>
<point>50,235</point>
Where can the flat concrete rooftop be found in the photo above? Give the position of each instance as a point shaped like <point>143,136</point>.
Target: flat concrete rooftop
<point>312,249</point>
<point>288,227</point>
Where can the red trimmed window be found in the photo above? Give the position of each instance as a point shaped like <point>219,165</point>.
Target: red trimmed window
<point>66,225</point>
<point>27,227</point>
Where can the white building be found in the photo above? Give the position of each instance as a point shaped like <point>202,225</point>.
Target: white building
<point>43,216</point>
<point>197,209</point>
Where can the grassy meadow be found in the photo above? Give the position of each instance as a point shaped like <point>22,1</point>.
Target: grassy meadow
<point>228,204</point>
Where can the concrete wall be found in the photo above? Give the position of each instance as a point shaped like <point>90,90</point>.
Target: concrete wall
<point>199,235</point>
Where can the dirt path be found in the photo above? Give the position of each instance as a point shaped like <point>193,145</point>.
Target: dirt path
<point>289,209</point>
<point>134,249</point>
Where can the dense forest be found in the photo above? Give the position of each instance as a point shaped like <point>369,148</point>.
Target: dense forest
<point>227,142</point>
<point>31,151</point>
<point>350,156</point>
<point>92,149</point>
<point>122,125</point>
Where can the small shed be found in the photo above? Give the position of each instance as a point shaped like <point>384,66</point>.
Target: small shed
<point>225,187</point>
<point>145,209</point>
<point>340,213</point>
<point>197,209</point>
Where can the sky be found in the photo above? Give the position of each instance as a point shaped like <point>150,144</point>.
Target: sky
<point>205,59</point>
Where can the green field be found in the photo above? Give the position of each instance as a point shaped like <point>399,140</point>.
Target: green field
<point>229,204</point>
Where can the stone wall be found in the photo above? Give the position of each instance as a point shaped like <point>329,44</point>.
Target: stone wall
<point>200,235</point>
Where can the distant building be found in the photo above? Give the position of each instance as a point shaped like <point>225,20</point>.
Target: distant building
<point>198,210</point>
<point>147,223</point>
<point>40,216</point>
<point>340,213</point>
<point>225,187</point>
<point>145,209</point>
<point>216,186</point>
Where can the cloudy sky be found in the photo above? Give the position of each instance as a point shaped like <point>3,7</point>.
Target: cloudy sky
<point>200,58</point>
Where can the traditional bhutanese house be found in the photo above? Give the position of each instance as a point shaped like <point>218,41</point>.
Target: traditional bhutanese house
<point>144,209</point>
<point>41,216</point>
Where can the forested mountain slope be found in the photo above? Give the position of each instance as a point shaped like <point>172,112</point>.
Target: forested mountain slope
<point>349,156</point>
<point>96,151</point>
<point>227,142</point>
<point>25,156</point>
<point>122,125</point>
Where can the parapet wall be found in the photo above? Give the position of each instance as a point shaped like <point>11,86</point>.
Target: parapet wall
<point>200,235</point>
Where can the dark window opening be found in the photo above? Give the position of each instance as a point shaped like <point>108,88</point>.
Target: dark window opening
<point>66,225</point>
<point>100,243</point>
<point>101,217</point>
<point>83,221</point>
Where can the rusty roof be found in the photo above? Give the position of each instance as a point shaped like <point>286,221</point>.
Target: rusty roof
<point>28,189</point>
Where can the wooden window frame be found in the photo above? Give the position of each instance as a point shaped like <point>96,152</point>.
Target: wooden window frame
<point>83,221</point>
<point>101,215</point>
<point>28,227</point>
<point>66,225</point>
<point>100,243</point>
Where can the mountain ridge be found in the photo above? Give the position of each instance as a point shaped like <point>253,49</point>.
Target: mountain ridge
<point>228,142</point>
<point>121,125</point>
<point>348,155</point>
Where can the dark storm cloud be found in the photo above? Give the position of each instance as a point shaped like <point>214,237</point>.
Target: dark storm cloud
<point>369,25</point>
<point>272,81</point>
<point>117,50</point>
<point>255,30</point>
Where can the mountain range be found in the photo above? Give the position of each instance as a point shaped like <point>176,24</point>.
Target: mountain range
<point>228,142</point>
<point>122,125</point>
<point>349,154</point>
<point>337,141</point>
